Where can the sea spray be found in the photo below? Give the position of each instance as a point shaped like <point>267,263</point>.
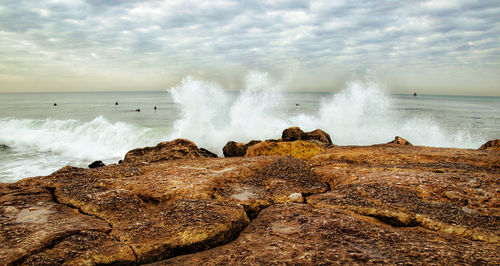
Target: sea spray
<point>360,114</point>
<point>39,147</point>
<point>210,116</point>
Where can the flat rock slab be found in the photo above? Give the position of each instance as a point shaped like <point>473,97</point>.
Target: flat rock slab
<point>298,234</point>
<point>449,190</point>
<point>169,208</point>
<point>32,222</point>
<point>384,204</point>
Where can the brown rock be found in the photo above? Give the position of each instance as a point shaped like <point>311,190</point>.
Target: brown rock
<point>295,133</point>
<point>399,140</point>
<point>170,208</point>
<point>32,221</point>
<point>172,150</point>
<point>234,149</point>
<point>433,188</point>
<point>208,153</point>
<point>297,234</point>
<point>320,136</point>
<point>385,204</point>
<point>292,134</point>
<point>237,149</point>
<point>299,149</point>
<point>492,145</point>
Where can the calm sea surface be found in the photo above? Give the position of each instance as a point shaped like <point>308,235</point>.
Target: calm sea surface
<point>37,138</point>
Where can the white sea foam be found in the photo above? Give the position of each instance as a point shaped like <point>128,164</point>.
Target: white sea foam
<point>39,147</point>
<point>360,114</point>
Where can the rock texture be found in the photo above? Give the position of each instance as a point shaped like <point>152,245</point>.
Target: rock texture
<point>295,133</point>
<point>237,149</point>
<point>492,145</point>
<point>299,149</point>
<point>298,234</point>
<point>174,204</point>
<point>176,149</point>
<point>399,140</point>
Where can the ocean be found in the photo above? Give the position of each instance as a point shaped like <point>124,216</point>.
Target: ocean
<point>38,137</point>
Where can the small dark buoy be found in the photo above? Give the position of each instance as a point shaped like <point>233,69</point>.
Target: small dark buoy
<point>155,108</point>
<point>296,104</point>
<point>116,103</point>
<point>55,104</point>
<point>414,94</point>
<point>120,161</point>
<point>137,110</point>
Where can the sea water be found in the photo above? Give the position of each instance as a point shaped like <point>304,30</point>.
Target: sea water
<point>42,132</point>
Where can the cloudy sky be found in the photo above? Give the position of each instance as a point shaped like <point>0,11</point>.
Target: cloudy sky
<point>440,47</point>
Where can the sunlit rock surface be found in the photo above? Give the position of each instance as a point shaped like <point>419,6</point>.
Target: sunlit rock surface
<point>171,204</point>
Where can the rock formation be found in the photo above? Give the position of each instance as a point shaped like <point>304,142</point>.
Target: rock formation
<point>177,149</point>
<point>492,145</point>
<point>237,149</point>
<point>173,204</point>
<point>318,135</point>
<point>96,164</point>
<point>299,149</point>
<point>399,140</point>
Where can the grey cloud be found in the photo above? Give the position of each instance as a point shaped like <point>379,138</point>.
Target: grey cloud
<point>160,35</point>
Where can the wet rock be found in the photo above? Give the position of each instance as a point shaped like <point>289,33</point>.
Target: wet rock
<point>208,153</point>
<point>295,133</point>
<point>96,164</point>
<point>292,134</point>
<point>237,149</point>
<point>399,140</point>
<point>172,150</point>
<point>319,136</point>
<point>31,221</point>
<point>234,149</point>
<point>492,145</point>
<point>297,234</point>
<point>299,149</point>
<point>4,147</point>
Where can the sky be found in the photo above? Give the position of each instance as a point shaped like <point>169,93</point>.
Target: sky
<point>435,47</point>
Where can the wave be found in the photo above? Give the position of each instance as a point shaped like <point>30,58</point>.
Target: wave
<point>96,139</point>
<point>360,114</point>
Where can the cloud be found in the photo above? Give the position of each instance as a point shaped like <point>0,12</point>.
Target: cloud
<point>164,39</point>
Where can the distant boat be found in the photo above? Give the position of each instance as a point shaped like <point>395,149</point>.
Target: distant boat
<point>414,94</point>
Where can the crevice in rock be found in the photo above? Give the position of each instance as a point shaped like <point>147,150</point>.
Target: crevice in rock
<point>393,221</point>
<point>148,199</point>
<point>135,255</point>
<point>49,246</point>
<point>56,200</point>
<point>52,191</point>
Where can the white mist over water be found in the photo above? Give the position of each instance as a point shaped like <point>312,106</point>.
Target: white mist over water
<point>360,114</point>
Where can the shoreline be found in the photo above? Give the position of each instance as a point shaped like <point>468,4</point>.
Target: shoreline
<point>175,203</point>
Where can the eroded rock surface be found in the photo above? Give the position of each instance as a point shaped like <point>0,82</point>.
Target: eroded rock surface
<point>447,190</point>
<point>384,204</point>
<point>295,133</point>
<point>298,234</point>
<point>492,145</point>
<point>33,223</point>
<point>299,149</point>
<point>237,149</point>
<point>169,208</point>
<point>176,149</point>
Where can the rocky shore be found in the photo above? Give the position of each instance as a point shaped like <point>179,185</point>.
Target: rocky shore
<point>297,200</point>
